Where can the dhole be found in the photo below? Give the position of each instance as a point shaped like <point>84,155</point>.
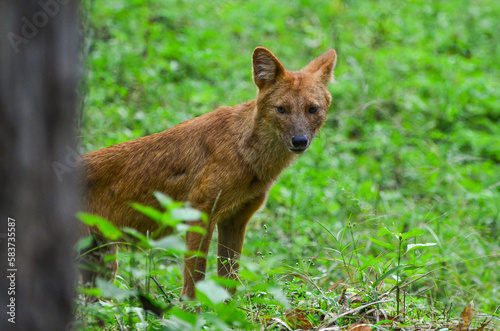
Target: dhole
<point>232,155</point>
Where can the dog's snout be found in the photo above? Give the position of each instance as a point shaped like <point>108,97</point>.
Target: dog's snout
<point>299,141</point>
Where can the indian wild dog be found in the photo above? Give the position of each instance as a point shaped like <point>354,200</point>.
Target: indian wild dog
<point>232,155</point>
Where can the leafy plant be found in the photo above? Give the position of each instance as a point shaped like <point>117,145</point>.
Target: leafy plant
<point>402,238</point>
<point>147,307</point>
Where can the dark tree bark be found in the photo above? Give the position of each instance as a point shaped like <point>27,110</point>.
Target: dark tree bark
<point>39,57</point>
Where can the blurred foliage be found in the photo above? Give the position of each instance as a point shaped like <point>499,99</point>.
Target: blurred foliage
<point>413,135</point>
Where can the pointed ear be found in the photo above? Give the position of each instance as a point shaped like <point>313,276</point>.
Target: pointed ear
<point>322,66</point>
<point>266,67</point>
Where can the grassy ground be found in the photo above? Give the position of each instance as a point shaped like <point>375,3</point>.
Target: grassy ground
<point>412,140</point>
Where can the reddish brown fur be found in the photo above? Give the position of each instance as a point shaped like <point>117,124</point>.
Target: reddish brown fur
<point>237,152</point>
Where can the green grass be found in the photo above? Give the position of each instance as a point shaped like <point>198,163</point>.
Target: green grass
<point>412,140</point>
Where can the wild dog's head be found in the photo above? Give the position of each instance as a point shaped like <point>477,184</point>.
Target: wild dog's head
<point>293,103</point>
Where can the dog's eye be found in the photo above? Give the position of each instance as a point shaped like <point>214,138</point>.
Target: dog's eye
<point>313,109</point>
<point>281,109</point>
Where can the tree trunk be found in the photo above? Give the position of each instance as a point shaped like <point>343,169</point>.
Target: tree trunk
<point>39,58</point>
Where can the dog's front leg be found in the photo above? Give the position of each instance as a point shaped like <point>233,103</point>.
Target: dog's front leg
<point>231,237</point>
<point>195,266</point>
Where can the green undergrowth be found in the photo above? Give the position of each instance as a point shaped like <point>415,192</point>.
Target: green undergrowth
<point>411,146</point>
<point>269,294</point>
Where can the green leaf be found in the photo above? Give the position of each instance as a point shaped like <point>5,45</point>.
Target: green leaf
<point>389,246</point>
<point>226,282</point>
<point>326,229</point>
<point>170,243</point>
<point>411,247</point>
<point>138,235</point>
<point>210,292</point>
<point>107,229</point>
<point>186,214</point>
<point>385,231</point>
<point>384,322</point>
<point>108,290</point>
<point>93,292</point>
<point>197,229</point>
<point>388,273</point>
<point>279,296</point>
<point>148,211</point>
<point>84,243</point>
<point>412,233</point>
<point>182,227</point>
<point>164,200</point>
<point>183,315</point>
<point>134,233</point>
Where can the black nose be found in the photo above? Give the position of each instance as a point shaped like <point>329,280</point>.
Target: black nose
<point>299,141</point>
